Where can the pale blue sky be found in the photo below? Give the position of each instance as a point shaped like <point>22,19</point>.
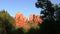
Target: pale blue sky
<point>26,7</point>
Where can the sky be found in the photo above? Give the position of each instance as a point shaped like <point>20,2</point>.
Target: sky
<point>26,7</point>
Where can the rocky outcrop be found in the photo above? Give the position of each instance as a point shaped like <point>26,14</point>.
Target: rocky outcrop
<point>35,18</point>
<point>21,21</point>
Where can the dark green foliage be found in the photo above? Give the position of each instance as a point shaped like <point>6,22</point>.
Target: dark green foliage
<point>18,31</point>
<point>6,23</point>
<point>51,12</point>
<point>33,31</point>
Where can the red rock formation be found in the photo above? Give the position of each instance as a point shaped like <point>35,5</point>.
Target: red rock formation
<point>35,18</point>
<point>21,21</point>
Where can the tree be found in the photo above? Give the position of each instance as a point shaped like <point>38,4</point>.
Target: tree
<point>49,26</point>
<point>6,23</point>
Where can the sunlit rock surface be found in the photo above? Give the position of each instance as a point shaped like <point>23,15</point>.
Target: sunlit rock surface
<point>35,18</point>
<point>21,21</point>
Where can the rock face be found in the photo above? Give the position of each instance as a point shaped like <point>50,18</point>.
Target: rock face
<point>35,18</point>
<point>21,21</point>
